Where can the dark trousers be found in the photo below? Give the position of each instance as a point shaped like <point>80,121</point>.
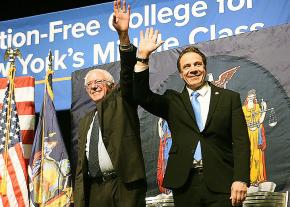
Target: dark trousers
<point>195,193</point>
<point>115,193</point>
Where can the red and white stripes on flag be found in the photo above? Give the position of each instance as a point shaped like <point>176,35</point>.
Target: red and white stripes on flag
<point>13,169</point>
<point>16,180</point>
<point>24,97</point>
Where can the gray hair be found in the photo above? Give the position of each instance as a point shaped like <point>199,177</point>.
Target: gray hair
<point>108,75</point>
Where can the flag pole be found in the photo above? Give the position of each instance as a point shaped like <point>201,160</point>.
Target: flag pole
<point>11,54</point>
<point>48,78</point>
<point>48,89</point>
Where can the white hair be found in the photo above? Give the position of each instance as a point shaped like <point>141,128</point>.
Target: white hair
<point>108,75</point>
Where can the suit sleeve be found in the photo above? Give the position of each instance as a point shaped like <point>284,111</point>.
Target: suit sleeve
<point>241,142</point>
<point>80,177</point>
<point>152,102</point>
<point>128,61</point>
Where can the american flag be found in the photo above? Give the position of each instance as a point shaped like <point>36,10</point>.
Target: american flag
<point>13,171</point>
<point>24,97</point>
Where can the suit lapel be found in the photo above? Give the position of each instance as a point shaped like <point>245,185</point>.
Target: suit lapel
<point>188,106</point>
<point>89,121</point>
<point>102,105</point>
<point>214,98</point>
<point>84,132</point>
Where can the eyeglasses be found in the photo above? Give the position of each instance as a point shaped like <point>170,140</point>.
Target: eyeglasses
<point>97,82</point>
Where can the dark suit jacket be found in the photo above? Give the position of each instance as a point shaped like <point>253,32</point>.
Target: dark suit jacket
<point>120,129</point>
<point>224,140</point>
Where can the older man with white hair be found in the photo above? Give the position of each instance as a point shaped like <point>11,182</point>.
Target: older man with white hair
<point>110,168</point>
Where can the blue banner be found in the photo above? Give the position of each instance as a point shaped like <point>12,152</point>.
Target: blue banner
<point>83,37</point>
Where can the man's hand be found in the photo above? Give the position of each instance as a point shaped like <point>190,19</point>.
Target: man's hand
<point>148,43</point>
<point>121,21</point>
<point>238,193</point>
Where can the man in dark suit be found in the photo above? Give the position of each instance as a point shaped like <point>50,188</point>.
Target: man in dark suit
<point>208,162</point>
<point>110,168</point>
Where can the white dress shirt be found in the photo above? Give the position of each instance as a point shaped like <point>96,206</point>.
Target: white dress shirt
<point>104,158</point>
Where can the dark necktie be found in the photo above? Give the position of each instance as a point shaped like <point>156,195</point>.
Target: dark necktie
<point>197,113</point>
<point>94,166</point>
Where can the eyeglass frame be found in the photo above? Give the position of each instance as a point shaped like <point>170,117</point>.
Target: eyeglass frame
<point>98,82</point>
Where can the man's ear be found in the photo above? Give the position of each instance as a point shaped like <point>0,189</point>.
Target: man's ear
<point>111,85</point>
<point>180,75</point>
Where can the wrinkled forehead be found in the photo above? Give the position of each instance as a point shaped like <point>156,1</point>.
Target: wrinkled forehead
<point>95,75</point>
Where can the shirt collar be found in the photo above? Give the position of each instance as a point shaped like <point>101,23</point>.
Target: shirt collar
<point>202,91</point>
